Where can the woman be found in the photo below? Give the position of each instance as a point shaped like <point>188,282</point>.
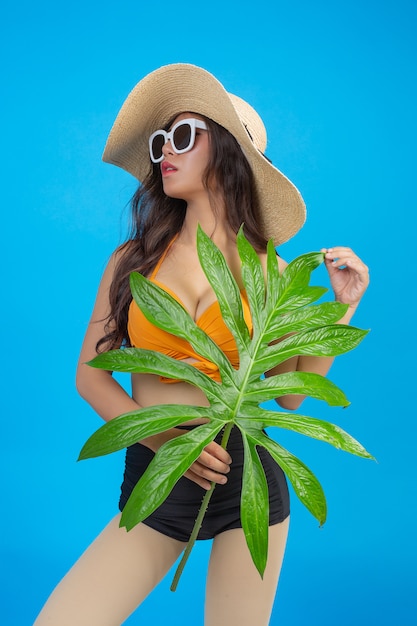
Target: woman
<point>199,154</point>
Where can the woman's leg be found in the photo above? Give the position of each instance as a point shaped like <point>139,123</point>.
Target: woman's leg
<point>236,595</point>
<point>111,578</point>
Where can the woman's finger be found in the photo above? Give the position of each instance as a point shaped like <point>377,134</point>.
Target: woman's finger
<point>204,476</point>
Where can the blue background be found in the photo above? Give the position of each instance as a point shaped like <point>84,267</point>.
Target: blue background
<point>336,86</point>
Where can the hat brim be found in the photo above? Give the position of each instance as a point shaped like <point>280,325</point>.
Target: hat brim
<point>173,89</point>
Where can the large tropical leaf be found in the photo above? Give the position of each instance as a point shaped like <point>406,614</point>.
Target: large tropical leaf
<point>286,323</point>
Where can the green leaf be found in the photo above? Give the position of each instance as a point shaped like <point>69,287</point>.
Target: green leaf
<point>138,361</point>
<point>225,287</point>
<point>302,383</point>
<point>331,340</point>
<point>305,484</point>
<point>253,279</point>
<point>297,273</point>
<point>308,426</point>
<point>316,315</point>
<point>169,464</point>
<point>254,505</point>
<point>273,279</point>
<point>130,428</point>
<point>299,297</point>
<point>286,324</point>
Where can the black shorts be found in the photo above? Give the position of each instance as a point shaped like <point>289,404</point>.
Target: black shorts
<point>177,514</point>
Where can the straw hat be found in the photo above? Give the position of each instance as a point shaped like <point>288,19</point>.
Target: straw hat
<point>173,89</point>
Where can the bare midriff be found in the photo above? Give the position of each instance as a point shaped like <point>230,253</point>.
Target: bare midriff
<point>148,390</point>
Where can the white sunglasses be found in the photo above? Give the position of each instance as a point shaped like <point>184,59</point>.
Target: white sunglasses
<point>181,136</point>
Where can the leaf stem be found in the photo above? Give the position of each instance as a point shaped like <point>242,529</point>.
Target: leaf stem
<point>201,513</point>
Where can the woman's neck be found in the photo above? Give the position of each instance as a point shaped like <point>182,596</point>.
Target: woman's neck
<point>212,222</point>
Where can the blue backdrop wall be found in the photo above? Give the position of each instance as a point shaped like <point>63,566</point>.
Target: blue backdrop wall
<point>335,84</point>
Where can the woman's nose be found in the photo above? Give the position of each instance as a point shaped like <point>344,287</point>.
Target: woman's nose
<point>167,148</point>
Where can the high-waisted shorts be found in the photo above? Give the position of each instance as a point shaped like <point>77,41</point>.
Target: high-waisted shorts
<point>175,517</point>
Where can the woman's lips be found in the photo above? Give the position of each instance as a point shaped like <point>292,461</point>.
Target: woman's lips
<point>167,168</point>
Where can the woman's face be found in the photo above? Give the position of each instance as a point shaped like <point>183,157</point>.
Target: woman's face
<point>182,174</point>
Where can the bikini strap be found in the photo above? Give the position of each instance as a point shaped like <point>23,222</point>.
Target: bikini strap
<point>162,258</point>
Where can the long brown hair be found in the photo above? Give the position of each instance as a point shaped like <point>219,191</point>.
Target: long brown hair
<point>156,219</point>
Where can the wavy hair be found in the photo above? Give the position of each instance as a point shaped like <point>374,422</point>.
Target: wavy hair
<point>156,219</point>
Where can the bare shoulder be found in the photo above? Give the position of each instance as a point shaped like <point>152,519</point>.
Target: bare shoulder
<point>116,258</point>
<point>110,269</point>
<point>121,251</point>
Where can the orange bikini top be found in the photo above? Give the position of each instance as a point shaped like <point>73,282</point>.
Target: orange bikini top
<point>143,334</point>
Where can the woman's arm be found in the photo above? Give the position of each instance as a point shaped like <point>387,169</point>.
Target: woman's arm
<point>98,387</point>
<point>349,278</point>
<point>109,399</point>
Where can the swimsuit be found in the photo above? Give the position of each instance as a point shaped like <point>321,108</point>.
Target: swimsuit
<point>177,514</point>
<point>175,517</point>
<point>143,334</point>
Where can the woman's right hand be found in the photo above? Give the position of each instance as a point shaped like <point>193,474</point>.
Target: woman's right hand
<point>211,466</point>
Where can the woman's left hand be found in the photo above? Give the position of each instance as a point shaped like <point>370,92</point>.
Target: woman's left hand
<point>349,276</point>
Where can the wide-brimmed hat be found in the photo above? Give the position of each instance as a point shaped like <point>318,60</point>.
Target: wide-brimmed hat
<point>177,88</point>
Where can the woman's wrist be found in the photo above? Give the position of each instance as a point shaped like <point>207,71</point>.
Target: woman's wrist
<point>349,313</point>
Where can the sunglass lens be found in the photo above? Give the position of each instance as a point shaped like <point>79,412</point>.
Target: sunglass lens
<point>182,136</point>
<point>157,145</point>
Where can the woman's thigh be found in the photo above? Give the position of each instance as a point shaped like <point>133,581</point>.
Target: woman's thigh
<point>236,595</point>
<point>111,578</point>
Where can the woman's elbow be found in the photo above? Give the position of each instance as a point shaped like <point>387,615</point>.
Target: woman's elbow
<point>87,378</point>
<point>81,379</point>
